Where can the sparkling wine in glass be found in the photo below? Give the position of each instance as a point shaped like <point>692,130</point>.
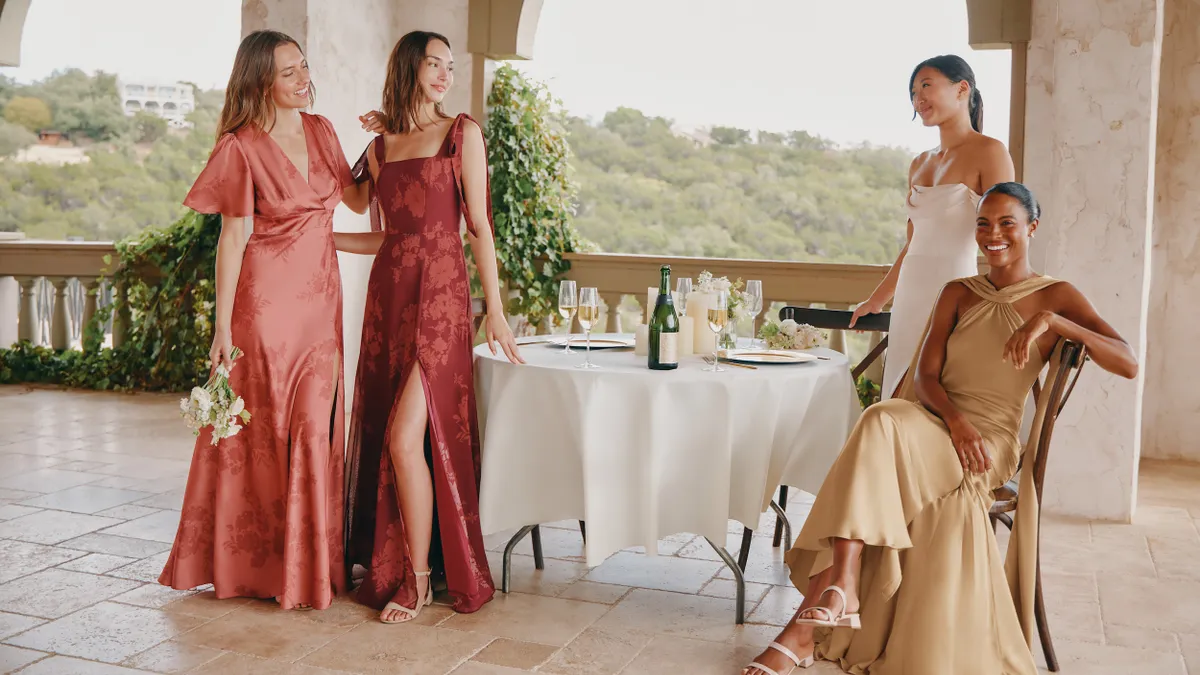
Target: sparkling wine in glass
<point>683,288</point>
<point>718,316</point>
<point>589,314</point>
<point>567,304</point>
<point>754,303</point>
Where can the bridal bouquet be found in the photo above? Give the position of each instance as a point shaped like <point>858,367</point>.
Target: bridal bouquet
<point>790,335</point>
<point>216,405</point>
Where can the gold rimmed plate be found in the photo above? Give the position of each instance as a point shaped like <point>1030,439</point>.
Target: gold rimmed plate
<point>766,357</point>
<point>580,342</point>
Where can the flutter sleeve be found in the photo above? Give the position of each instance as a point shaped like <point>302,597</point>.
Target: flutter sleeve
<point>225,186</point>
<point>340,167</point>
<point>362,173</point>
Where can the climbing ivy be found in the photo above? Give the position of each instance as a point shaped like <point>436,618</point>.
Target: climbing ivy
<point>532,193</point>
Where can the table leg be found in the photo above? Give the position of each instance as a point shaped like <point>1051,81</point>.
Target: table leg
<point>787,524</point>
<point>739,579</point>
<point>744,553</point>
<point>539,562</point>
<point>508,549</point>
<point>783,499</point>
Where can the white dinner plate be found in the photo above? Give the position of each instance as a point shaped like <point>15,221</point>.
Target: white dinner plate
<point>766,357</point>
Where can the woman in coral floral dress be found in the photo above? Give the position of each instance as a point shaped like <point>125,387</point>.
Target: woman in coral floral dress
<point>414,441</point>
<point>262,513</point>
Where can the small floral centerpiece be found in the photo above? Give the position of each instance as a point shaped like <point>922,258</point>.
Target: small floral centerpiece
<point>790,335</point>
<point>707,283</point>
<point>216,405</point>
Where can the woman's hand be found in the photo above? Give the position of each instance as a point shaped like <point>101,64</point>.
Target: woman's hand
<point>498,331</point>
<point>1024,339</point>
<point>871,306</point>
<point>372,122</point>
<point>972,453</point>
<point>222,349</point>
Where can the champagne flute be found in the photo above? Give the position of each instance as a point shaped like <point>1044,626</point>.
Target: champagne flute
<point>567,303</point>
<point>754,304</point>
<point>589,313</point>
<point>718,315</point>
<point>683,288</point>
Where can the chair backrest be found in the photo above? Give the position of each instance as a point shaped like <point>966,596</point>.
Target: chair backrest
<point>1073,358</point>
<point>839,319</point>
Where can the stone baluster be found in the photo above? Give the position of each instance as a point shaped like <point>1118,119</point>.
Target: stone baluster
<point>27,322</point>
<point>90,298</point>
<point>837,338</point>
<point>612,302</point>
<point>121,317</point>
<point>60,318</point>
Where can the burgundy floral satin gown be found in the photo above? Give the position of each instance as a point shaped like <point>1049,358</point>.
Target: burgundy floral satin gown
<point>418,315</point>
<point>262,511</point>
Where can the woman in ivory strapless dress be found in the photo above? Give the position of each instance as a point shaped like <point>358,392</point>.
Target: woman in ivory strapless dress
<point>944,188</point>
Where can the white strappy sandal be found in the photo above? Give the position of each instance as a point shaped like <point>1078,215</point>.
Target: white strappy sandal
<point>413,612</point>
<point>832,620</point>
<point>800,663</point>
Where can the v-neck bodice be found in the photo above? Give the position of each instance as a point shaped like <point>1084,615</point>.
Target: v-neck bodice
<point>249,174</point>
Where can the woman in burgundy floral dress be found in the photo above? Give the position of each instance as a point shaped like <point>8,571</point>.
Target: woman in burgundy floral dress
<point>415,387</point>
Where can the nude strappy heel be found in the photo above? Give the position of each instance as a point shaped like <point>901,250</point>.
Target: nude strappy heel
<point>410,613</point>
<point>832,620</point>
<point>799,663</point>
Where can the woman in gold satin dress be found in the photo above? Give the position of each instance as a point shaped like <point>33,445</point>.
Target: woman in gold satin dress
<point>899,566</point>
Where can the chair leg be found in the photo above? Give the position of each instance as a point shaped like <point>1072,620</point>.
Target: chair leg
<point>744,553</point>
<point>583,531</point>
<point>1043,626</point>
<point>783,490</point>
<point>538,561</point>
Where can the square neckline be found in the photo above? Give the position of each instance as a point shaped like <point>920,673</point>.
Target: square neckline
<point>441,147</point>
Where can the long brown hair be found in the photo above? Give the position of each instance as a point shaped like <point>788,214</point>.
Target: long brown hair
<point>248,94</point>
<point>401,96</point>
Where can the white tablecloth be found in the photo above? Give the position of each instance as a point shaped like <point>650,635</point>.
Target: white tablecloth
<point>639,454</point>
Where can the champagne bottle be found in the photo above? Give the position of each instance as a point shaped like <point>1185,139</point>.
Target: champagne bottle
<point>664,327</point>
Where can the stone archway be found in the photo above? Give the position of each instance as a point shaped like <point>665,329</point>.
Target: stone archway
<point>12,22</point>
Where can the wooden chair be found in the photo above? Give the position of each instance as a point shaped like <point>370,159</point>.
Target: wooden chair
<point>826,319</point>
<point>1006,496</point>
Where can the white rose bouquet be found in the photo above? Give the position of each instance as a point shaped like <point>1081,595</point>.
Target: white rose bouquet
<point>707,283</point>
<point>216,405</point>
<point>790,335</point>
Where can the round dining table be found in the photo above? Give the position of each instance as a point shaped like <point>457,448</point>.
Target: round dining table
<point>637,455</point>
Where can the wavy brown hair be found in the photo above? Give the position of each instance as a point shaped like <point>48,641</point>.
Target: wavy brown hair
<point>401,96</point>
<point>248,94</point>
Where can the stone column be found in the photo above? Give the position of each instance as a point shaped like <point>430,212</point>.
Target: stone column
<point>1092,85</point>
<point>1172,361</point>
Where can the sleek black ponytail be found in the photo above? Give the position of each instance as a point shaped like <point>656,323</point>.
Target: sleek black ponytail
<point>956,70</point>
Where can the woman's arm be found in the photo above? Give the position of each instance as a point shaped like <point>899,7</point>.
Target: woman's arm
<point>357,197</point>
<point>482,240</point>
<point>362,243</point>
<point>1075,319</point>
<point>968,443</point>
<point>231,246</point>
<point>995,165</point>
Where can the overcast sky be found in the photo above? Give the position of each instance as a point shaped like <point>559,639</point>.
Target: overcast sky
<point>837,69</point>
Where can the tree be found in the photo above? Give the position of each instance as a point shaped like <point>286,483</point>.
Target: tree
<point>84,104</point>
<point>729,136</point>
<point>148,127</point>
<point>26,111</point>
<point>14,137</point>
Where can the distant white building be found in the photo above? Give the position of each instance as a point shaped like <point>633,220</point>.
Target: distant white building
<point>172,101</point>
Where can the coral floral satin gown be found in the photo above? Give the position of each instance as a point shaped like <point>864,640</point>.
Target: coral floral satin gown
<point>262,511</point>
<point>418,316</point>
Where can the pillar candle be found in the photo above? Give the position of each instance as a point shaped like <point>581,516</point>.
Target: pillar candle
<point>651,298</point>
<point>704,341</point>
<point>641,340</point>
<point>686,336</point>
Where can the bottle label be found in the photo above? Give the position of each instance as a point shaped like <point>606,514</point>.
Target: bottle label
<point>668,348</point>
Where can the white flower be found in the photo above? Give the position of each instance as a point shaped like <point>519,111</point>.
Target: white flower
<point>238,406</point>
<point>721,284</point>
<point>789,328</point>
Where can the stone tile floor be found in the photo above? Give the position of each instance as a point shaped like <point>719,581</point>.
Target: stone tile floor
<point>91,484</point>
